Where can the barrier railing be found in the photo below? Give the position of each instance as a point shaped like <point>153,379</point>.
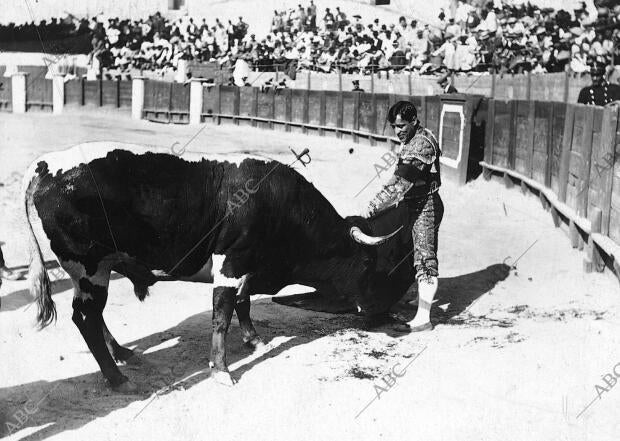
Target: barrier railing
<point>99,93</point>
<point>567,154</point>
<point>362,116</point>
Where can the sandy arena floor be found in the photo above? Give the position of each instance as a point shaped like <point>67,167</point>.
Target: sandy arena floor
<point>515,355</point>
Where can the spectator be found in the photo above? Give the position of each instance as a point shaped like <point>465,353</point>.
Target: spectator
<point>600,92</point>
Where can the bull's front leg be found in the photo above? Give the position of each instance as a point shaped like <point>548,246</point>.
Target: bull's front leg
<point>223,307</point>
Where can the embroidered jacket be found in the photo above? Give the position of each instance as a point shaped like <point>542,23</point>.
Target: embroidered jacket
<point>417,173</point>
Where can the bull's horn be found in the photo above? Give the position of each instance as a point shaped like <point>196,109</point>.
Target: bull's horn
<point>360,237</point>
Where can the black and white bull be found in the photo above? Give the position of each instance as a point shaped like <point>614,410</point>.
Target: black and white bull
<point>247,225</point>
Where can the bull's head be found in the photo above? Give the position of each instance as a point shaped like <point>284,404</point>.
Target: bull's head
<point>379,283</point>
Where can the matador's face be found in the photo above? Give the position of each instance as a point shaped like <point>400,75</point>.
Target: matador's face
<point>404,130</point>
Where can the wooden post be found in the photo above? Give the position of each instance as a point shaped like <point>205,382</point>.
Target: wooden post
<point>573,234</point>
<point>593,260</point>
<point>493,83</point>
<point>339,79</point>
<point>100,81</point>
<point>555,216</point>
<point>566,80</point>
<point>83,92</point>
<point>508,181</point>
<point>372,82</point>
<point>236,102</point>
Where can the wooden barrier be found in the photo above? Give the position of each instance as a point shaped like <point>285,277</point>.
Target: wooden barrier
<point>166,102</point>
<point>568,154</point>
<point>6,95</point>
<point>38,94</point>
<point>362,116</point>
<point>112,93</point>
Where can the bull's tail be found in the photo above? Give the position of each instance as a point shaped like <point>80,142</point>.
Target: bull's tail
<point>40,285</point>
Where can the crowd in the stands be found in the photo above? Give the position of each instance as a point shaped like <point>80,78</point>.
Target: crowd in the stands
<point>464,38</point>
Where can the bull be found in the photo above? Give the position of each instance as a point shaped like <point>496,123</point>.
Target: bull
<point>248,225</point>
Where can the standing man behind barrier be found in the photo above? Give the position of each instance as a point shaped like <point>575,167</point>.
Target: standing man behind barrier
<point>414,188</point>
<point>600,93</point>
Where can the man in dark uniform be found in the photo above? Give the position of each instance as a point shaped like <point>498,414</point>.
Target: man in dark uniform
<point>600,93</point>
<point>414,188</point>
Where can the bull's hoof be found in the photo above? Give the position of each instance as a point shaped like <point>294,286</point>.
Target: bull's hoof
<point>126,387</point>
<point>256,343</point>
<point>223,377</point>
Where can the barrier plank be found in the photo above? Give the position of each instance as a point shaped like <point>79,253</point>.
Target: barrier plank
<point>246,101</point>
<point>366,113</point>
<point>601,171</point>
<point>348,110</point>
<point>91,93</point>
<point>579,159</point>
<point>73,92</point>
<point>433,109</point>
<point>501,133</point>
<point>315,107</point>
<point>179,102</point>
<point>210,100</point>
<point>524,137</point>
<point>282,99</point>
<point>298,105</point>
<point>614,213</point>
<point>332,108</point>
<point>382,106</point>
<point>125,88</point>
<point>567,140</point>
<point>488,139</point>
<point>557,142</point>
<point>109,93</point>
<point>541,140</point>
<point>227,100</point>
<point>38,93</point>
<point>265,104</point>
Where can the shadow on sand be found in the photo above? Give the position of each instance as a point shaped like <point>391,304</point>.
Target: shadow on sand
<point>67,404</point>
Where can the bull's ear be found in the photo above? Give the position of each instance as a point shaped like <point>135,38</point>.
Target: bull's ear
<point>360,237</point>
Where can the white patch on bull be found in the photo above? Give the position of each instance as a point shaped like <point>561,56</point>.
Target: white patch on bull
<point>219,279</point>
